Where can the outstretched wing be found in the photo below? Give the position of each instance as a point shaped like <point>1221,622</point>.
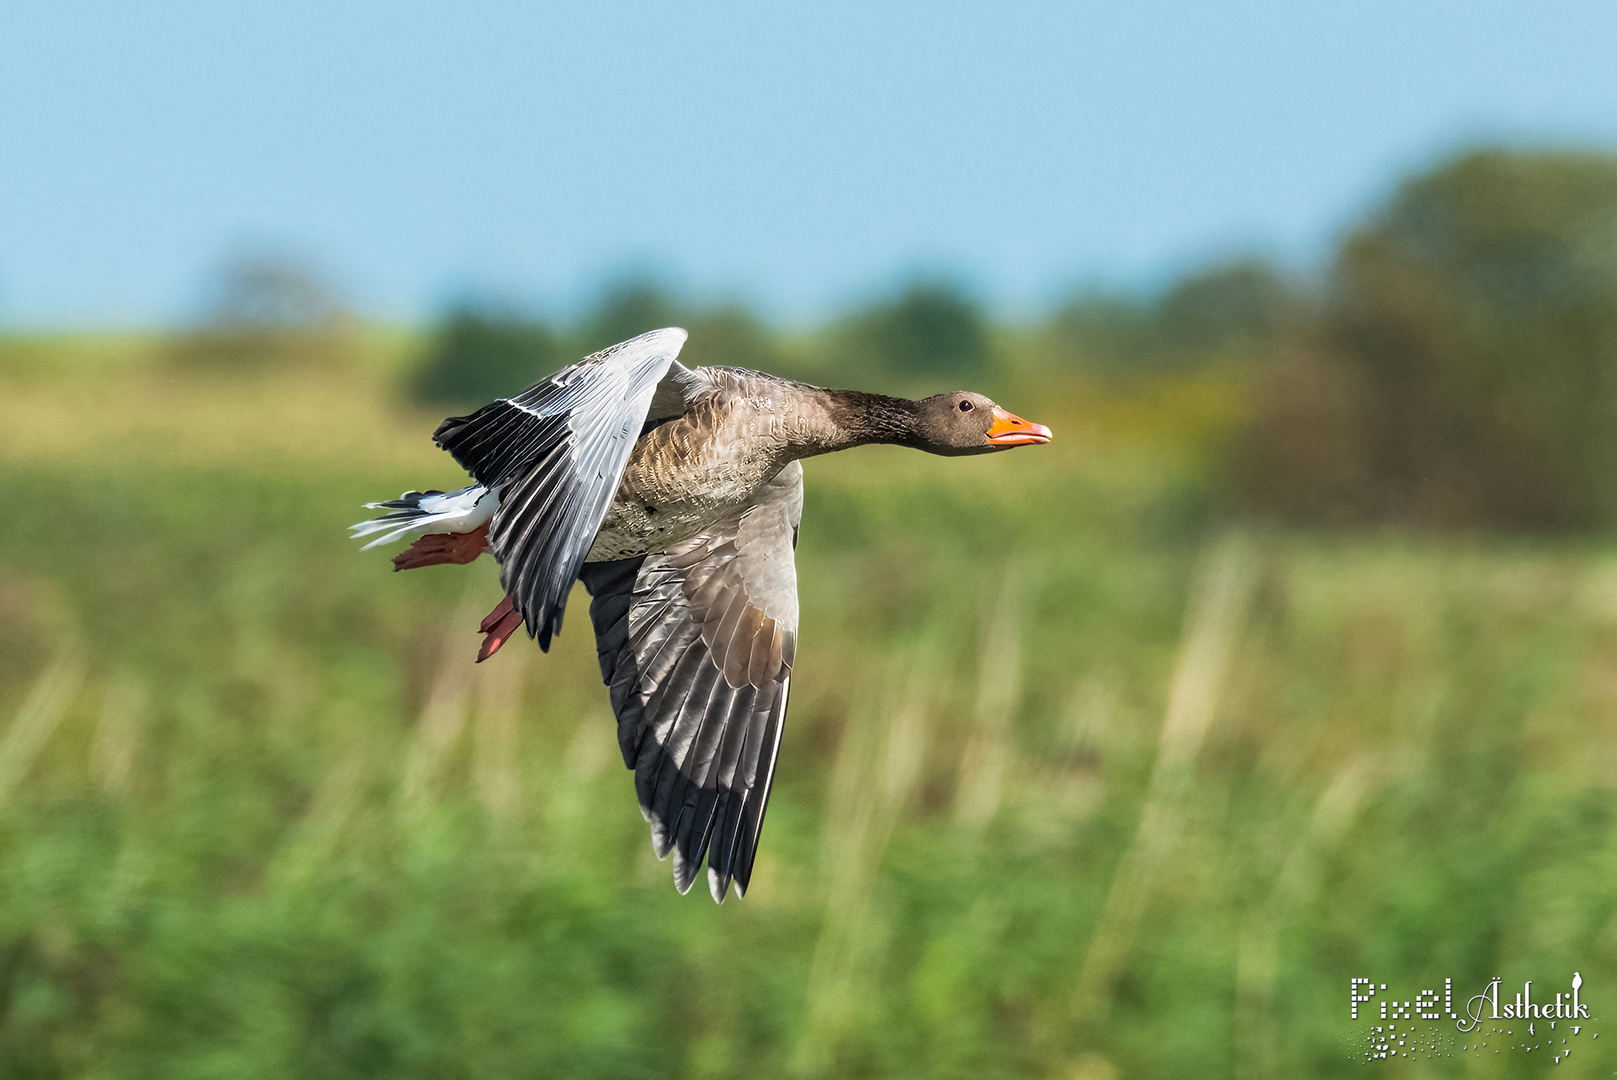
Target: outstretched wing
<point>697,645</point>
<point>555,454</point>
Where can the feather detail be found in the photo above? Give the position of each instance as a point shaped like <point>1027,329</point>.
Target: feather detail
<point>416,513</point>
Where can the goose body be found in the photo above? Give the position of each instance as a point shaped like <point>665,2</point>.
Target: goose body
<point>675,495</point>
<point>686,473</point>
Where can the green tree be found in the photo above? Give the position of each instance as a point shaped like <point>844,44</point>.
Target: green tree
<point>266,311</point>
<point>627,308</point>
<point>730,337</point>
<point>930,327</point>
<point>1243,304</point>
<point>1468,345</point>
<point>477,355</point>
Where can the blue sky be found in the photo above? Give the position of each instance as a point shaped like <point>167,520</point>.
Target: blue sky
<point>796,156</point>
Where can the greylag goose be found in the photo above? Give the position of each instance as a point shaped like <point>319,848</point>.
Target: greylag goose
<point>674,494</point>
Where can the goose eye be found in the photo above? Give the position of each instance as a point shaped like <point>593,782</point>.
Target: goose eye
<point>965,406</point>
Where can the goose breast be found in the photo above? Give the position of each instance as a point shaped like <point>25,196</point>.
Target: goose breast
<point>690,472</point>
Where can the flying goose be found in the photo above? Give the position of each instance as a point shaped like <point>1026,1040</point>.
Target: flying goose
<point>674,494</point>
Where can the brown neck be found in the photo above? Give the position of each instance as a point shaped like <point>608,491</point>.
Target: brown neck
<point>844,418</point>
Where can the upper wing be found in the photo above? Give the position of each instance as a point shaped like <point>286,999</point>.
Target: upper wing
<point>697,645</point>
<point>555,454</point>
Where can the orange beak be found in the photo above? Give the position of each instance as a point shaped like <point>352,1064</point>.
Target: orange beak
<point>1011,430</point>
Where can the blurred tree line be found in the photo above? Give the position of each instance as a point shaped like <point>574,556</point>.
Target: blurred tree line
<point>480,351</point>
<point>266,310</point>
<point>1459,367</point>
<point>1454,366</point>
<point>1227,311</point>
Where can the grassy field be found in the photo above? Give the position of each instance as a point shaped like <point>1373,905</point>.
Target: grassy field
<point>1080,781</point>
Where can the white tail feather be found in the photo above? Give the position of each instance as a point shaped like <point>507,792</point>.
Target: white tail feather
<point>417,512</point>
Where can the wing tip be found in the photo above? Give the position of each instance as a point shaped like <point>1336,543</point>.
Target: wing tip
<point>685,871</point>
<point>718,885</point>
<point>677,335</point>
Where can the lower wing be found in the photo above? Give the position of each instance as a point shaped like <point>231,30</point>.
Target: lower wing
<point>697,645</point>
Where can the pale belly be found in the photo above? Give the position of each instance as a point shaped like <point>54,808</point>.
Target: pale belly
<point>668,494</point>
<point>689,473</point>
<point>633,526</point>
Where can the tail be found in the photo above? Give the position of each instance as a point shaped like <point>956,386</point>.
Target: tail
<point>418,512</point>
<point>451,528</point>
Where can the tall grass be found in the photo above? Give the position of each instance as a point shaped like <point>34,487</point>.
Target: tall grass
<point>1076,783</point>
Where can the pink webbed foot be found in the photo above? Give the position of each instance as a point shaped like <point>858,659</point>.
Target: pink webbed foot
<point>497,628</point>
<point>435,548</point>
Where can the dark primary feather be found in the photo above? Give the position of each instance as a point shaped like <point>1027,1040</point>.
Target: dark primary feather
<point>555,454</point>
<point>696,647</point>
<point>410,500</point>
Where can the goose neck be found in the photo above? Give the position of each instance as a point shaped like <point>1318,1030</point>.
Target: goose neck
<point>849,418</point>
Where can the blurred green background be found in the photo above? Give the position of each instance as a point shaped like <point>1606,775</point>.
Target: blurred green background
<point>1292,659</point>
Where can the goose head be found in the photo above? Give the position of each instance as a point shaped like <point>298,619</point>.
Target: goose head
<point>961,423</point>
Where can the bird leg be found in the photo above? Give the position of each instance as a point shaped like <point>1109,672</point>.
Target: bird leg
<point>497,628</point>
<point>435,548</point>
